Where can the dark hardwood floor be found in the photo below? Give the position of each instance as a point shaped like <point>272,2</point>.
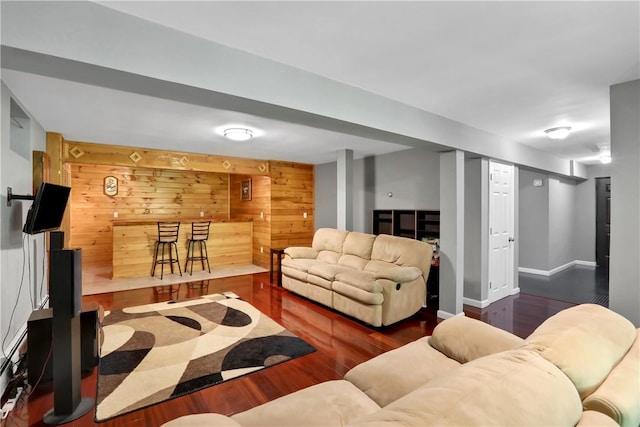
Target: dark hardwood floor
<point>341,342</point>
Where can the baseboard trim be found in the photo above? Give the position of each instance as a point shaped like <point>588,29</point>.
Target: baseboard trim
<point>548,273</point>
<point>476,303</point>
<point>446,315</point>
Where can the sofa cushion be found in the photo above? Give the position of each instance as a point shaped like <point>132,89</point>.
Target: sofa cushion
<point>301,264</point>
<point>516,387</point>
<point>596,419</point>
<point>364,280</point>
<point>386,378</point>
<point>402,251</point>
<point>464,339</point>
<point>327,271</point>
<point>359,245</point>
<point>332,403</point>
<point>329,239</point>
<point>585,342</point>
<point>619,395</point>
<point>358,294</point>
<point>353,261</point>
<point>200,420</point>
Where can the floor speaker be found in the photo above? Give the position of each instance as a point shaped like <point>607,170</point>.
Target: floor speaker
<point>39,332</point>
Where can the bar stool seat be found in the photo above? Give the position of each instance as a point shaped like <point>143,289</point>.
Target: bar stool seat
<point>167,236</point>
<point>199,237</point>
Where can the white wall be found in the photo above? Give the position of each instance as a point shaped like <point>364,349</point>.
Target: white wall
<point>22,274</point>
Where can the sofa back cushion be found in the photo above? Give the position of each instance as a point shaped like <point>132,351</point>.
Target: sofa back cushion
<point>585,342</point>
<point>403,252</point>
<point>356,251</point>
<point>329,243</point>
<point>511,388</point>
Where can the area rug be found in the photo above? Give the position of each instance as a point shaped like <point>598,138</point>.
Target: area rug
<point>155,352</point>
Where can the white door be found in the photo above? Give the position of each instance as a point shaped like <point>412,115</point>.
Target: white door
<point>501,230</point>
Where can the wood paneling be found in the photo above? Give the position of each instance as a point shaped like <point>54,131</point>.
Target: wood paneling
<point>134,245</point>
<point>292,195</point>
<point>153,194</point>
<point>257,210</point>
<point>105,154</point>
<point>282,191</point>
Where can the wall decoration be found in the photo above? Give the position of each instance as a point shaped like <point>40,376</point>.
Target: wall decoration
<point>245,190</point>
<point>110,185</point>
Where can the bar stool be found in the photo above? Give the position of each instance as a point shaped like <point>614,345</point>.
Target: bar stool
<point>167,236</point>
<point>199,237</point>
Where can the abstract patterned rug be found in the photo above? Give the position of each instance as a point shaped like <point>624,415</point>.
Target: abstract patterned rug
<point>155,352</point>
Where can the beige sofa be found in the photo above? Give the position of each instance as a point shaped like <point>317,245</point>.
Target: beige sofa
<point>377,279</point>
<point>580,367</point>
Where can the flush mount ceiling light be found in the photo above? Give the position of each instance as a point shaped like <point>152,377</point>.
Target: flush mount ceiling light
<point>605,158</point>
<point>238,134</point>
<point>558,132</point>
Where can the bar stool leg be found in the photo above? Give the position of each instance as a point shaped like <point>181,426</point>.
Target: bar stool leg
<point>162,263</point>
<point>155,261</point>
<point>177,258</point>
<point>206,254</point>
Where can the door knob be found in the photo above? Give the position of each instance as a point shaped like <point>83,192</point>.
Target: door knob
<point>512,239</point>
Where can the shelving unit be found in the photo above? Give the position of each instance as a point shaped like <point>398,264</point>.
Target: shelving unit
<point>415,224</point>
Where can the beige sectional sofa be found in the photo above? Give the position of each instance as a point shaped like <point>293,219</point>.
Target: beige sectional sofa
<point>377,279</point>
<point>580,367</point>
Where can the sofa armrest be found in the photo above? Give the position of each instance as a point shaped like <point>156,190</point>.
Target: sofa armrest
<point>198,420</point>
<point>619,395</point>
<point>398,274</point>
<point>464,339</point>
<point>301,252</point>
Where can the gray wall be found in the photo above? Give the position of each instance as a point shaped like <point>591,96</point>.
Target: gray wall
<point>624,274</point>
<point>562,195</point>
<point>413,176</point>
<point>533,227</point>
<point>475,229</point>
<point>585,210</point>
<point>22,289</point>
<point>326,201</point>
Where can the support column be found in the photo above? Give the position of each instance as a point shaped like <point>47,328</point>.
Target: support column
<point>624,270</point>
<point>451,234</point>
<point>344,191</point>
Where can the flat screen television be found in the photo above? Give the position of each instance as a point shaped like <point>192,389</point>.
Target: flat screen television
<point>47,210</point>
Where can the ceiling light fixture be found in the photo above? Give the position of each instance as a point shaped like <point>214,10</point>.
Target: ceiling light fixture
<point>605,159</point>
<point>558,132</point>
<point>238,134</point>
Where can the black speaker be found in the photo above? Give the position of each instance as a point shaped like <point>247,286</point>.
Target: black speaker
<point>65,282</point>
<point>39,333</point>
<point>56,240</point>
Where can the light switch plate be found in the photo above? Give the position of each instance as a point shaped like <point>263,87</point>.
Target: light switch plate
<point>537,183</point>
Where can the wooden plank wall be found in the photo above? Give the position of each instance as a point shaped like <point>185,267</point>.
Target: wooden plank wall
<point>143,193</point>
<point>251,210</point>
<point>292,195</point>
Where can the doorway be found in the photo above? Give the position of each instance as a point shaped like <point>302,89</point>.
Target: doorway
<point>603,221</point>
<point>501,230</point>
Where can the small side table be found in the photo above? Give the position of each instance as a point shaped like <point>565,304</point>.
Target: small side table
<point>279,252</point>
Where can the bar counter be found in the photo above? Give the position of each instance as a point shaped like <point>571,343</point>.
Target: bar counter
<point>134,243</point>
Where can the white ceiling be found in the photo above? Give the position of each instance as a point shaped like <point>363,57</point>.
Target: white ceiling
<point>510,68</point>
